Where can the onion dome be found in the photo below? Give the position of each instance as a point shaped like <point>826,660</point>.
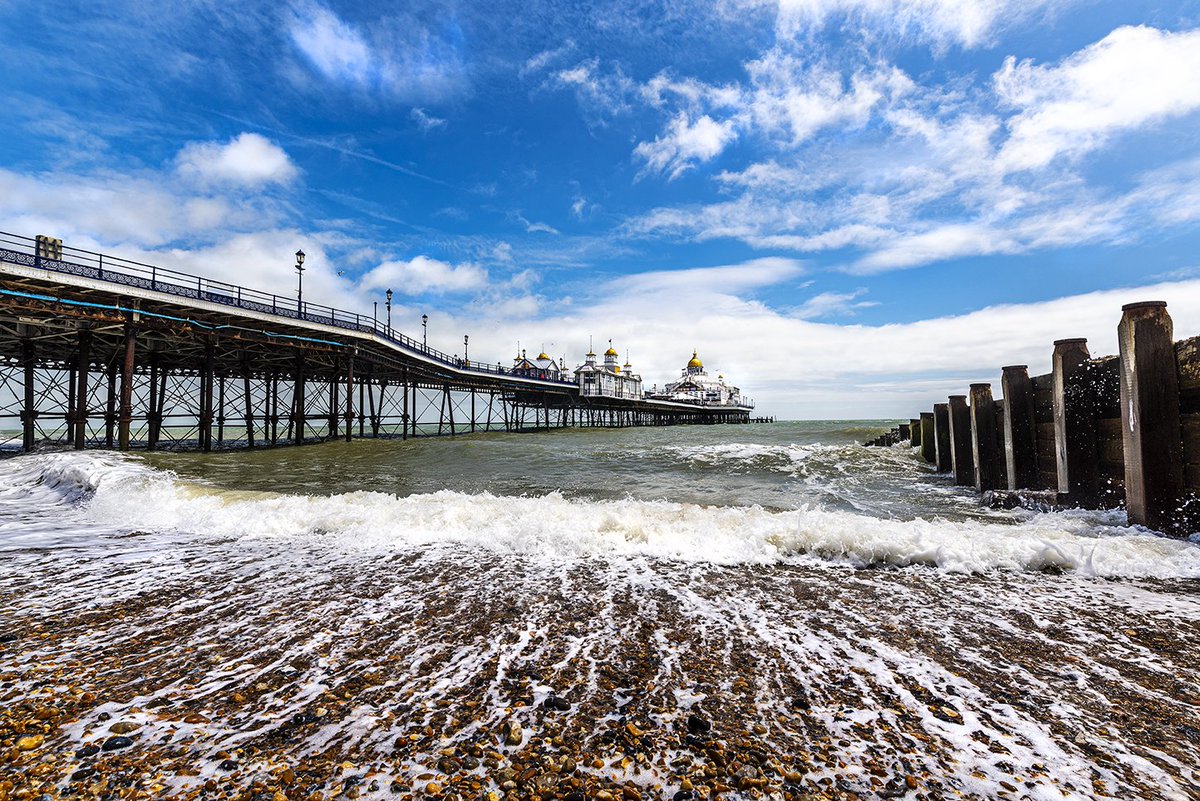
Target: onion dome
<point>543,357</point>
<point>695,363</point>
<point>610,351</point>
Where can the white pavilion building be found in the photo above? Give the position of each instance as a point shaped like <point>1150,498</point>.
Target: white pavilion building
<point>695,385</point>
<point>609,379</point>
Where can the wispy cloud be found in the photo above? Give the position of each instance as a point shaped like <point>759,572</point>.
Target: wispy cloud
<point>394,58</point>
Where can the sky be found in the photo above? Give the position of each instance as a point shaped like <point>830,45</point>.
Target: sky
<point>850,208</point>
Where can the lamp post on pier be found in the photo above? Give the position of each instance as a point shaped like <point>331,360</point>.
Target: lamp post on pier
<point>375,314</point>
<point>389,311</point>
<point>425,330</point>
<point>466,358</point>
<point>299,282</point>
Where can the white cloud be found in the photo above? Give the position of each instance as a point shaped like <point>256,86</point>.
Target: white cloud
<point>424,274</point>
<point>397,57</point>
<point>832,304</point>
<point>425,121</point>
<point>968,23</point>
<point>248,159</point>
<point>685,143</point>
<point>789,94</point>
<point>338,50</point>
<point>1130,78</point>
<point>729,279</point>
<point>536,227</point>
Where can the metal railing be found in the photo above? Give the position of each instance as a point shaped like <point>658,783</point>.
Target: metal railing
<point>22,250</point>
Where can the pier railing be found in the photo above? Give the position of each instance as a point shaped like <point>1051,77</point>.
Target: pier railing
<point>22,250</point>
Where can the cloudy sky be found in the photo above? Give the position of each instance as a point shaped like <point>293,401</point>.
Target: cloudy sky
<point>850,207</point>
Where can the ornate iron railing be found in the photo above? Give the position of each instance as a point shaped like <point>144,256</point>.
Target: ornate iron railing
<point>22,250</point>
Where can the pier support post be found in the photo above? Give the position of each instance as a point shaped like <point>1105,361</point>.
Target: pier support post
<point>110,405</point>
<point>928,446</point>
<point>349,395</point>
<point>983,436</point>
<point>941,434</point>
<point>206,399</point>
<point>273,411</point>
<point>404,415</point>
<point>1151,430</point>
<point>28,413</point>
<point>220,410</point>
<point>1020,427</point>
<point>1074,425</point>
<point>298,403</point>
<point>126,418</point>
<point>247,398</point>
<point>83,365</point>
<point>334,376</point>
<point>960,441</point>
<point>154,423</point>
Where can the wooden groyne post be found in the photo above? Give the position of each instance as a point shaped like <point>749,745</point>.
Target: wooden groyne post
<point>1093,432</point>
<point>941,436</point>
<point>928,452</point>
<point>1152,438</point>
<point>960,441</point>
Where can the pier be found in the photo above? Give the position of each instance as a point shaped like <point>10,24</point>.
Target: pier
<point>102,352</point>
<point>1101,432</point>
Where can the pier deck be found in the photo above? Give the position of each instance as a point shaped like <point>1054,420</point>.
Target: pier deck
<point>97,351</point>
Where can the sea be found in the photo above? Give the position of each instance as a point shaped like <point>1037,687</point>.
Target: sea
<point>736,611</point>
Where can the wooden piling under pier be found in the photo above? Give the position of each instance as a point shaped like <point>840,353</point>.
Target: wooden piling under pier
<point>1094,432</point>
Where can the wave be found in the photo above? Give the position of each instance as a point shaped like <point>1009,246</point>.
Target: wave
<point>122,494</point>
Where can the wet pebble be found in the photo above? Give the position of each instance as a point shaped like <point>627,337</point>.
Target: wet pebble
<point>116,743</point>
<point>698,725</point>
<point>89,750</point>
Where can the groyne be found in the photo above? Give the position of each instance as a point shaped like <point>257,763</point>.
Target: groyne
<point>1120,431</point>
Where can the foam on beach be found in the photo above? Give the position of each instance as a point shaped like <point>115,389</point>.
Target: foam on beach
<point>122,493</point>
<point>390,642</point>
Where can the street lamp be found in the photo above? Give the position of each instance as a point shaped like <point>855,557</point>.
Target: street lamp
<point>299,281</point>
<point>375,314</point>
<point>466,358</point>
<point>425,330</point>
<point>389,311</point>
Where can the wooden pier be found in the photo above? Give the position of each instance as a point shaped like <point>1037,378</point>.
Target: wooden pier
<point>1095,432</point>
<point>101,352</point>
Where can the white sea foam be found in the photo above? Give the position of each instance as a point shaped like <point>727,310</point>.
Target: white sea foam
<point>123,494</point>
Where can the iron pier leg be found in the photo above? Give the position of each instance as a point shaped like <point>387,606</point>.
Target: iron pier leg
<point>28,414</point>
<point>404,420</point>
<point>127,386</point>
<point>154,414</point>
<point>220,409</point>
<point>274,408</point>
<point>472,410</point>
<point>299,413</point>
<point>442,413</point>
<point>206,399</point>
<point>110,405</point>
<point>374,417</point>
<point>349,396</point>
<point>249,402</point>
<point>81,388</point>
<point>333,397</point>
<point>362,389</point>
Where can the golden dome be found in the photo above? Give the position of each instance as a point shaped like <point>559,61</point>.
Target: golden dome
<point>542,356</point>
<point>610,352</point>
<point>695,362</point>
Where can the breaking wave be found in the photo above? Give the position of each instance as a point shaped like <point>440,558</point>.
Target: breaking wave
<point>66,498</point>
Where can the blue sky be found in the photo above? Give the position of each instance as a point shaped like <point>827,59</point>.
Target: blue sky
<point>850,207</point>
